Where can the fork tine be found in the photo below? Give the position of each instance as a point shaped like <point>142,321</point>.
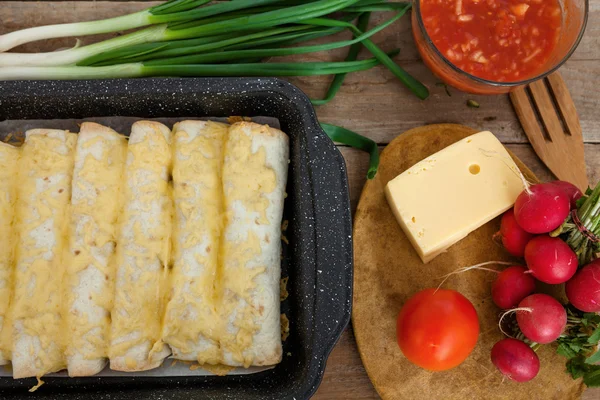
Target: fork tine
<point>562,153</point>
<point>541,97</point>
<point>526,115</point>
<point>565,103</point>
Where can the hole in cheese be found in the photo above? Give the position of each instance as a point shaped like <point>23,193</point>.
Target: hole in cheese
<point>474,169</point>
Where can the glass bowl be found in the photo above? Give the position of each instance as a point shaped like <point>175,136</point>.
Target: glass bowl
<point>575,15</point>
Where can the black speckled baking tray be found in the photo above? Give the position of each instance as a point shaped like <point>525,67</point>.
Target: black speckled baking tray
<point>318,259</point>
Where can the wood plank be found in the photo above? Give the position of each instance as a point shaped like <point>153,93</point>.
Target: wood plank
<point>375,104</point>
<point>372,102</point>
<point>345,377</point>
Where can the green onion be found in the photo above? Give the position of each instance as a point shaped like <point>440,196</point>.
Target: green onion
<point>72,56</point>
<point>195,22</point>
<point>225,39</point>
<point>408,80</point>
<point>222,56</point>
<point>152,15</point>
<point>174,48</point>
<point>338,80</point>
<point>170,12</point>
<point>211,10</point>
<point>227,42</point>
<point>282,16</point>
<point>287,39</point>
<point>161,33</point>
<point>173,6</point>
<point>137,70</point>
<point>352,139</point>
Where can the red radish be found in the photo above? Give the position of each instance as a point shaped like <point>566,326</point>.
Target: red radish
<point>514,238</point>
<point>550,259</point>
<point>572,191</point>
<point>541,318</point>
<point>541,208</point>
<point>516,360</point>
<point>583,290</point>
<point>511,286</point>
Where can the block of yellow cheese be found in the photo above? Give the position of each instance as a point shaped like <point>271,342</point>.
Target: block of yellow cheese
<point>446,196</point>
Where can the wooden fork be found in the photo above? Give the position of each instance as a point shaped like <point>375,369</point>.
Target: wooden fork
<point>549,119</point>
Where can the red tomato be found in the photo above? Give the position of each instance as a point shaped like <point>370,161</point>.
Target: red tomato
<point>437,330</point>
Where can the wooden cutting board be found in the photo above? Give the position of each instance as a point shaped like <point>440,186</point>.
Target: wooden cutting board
<point>387,271</point>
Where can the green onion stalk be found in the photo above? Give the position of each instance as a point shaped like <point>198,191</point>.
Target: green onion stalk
<point>409,81</point>
<point>581,229</point>
<point>139,70</point>
<point>171,11</point>
<point>196,54</point>
<point>338,80</point>
<point>238,32</point>
<point>354,140</point>
<point>166,32</point>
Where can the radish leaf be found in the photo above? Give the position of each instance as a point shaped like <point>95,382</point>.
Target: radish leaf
<point>592,378</point>
<point>593,359</point>
<point>594,337</point>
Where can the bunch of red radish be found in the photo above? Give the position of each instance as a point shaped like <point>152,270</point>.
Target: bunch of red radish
<point>538,210</point>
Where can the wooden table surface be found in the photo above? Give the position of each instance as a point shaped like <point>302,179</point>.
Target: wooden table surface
<point>375,104</point>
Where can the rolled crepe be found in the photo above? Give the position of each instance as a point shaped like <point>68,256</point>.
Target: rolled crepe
<point>254,179</point>
<point>97,180</point>
<point>44,190</point>
<point>192,323</point>
<point>9,156</point>
<point>143,252</point>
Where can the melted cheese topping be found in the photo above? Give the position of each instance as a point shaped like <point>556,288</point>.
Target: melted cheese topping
<point>45,171</point>
<point>143,254</point>
<point>219,370</point>
<point>97,180</point>
<point>247,179</point>
<point>217,307</point>
<point>9,157</point>
<point>192,326</point>
<point>223,292</point>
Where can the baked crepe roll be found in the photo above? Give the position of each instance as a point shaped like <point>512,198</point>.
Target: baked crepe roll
<point>143,251</point>
<point>254,178</point>
<point>97,178</point>
<point>44,190</point>
<point>192,324</point>
<point>9,156</point>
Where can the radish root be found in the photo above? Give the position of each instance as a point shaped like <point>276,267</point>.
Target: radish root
<point>497,239</point>
<point>476,266</point>
<point>504,314</point>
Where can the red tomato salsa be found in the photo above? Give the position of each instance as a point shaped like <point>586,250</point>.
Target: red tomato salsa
<point>497,40</point>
